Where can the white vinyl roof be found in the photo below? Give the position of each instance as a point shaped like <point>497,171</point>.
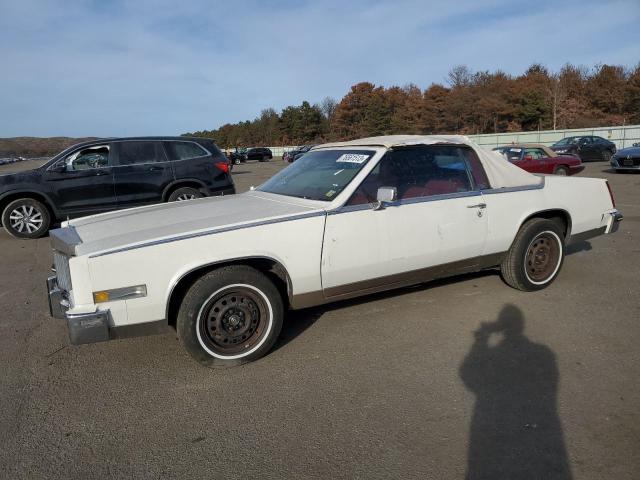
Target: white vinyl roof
<point>501,172</point>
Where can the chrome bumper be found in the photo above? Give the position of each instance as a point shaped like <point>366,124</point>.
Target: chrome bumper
<point>83,328</point>
<point>615,223</point>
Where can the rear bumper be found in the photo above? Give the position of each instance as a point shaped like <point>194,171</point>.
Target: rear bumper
<point>611,222</point>
<point>614,222</point>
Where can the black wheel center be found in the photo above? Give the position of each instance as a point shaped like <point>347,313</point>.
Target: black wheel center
<point>232,321</point>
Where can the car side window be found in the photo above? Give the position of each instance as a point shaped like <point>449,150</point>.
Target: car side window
<point>131,153</point>
<point>416,172</point>
<point>534,153</point>
<point>184,150</point>
<point>96,156</point>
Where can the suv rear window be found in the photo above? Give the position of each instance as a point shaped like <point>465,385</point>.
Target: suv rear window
<point>184,150</point>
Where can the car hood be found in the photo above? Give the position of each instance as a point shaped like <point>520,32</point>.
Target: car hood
<point>633,151</point>
<point>170,221</point>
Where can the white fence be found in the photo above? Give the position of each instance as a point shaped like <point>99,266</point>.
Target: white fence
<point>622,136</point>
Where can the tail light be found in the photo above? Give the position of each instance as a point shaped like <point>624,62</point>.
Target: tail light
<point>224,166</point>
<point>613,200</point>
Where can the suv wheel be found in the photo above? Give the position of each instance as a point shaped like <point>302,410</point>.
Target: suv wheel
<point>184,193</point>
<point>230,316</point>
<point>26,218</point>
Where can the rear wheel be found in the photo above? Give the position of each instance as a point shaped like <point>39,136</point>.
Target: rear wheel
<point>606,156</point>
<point>184,193</point>
<point>562,171</point>
<point>26,218</point>
<point>230,316</point>
<point>535,257</point>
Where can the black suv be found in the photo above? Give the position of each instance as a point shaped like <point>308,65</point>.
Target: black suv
<point>586,147</point>
<point>109,174</point>
<point>259,153</point>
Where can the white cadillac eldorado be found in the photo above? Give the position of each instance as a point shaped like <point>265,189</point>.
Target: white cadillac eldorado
<point>347,219</point>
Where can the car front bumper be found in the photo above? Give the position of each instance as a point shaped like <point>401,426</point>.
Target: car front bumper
<point>619,164</point>
<point>83,328</point>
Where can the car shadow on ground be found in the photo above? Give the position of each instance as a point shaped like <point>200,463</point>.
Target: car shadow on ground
<point>576,247</point>
<point>297,321</point>
<point>515,430</point>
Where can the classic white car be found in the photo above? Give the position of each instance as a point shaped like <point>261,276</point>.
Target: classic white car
<point>347,219</point>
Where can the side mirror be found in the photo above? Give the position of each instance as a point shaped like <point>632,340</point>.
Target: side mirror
<point>385,195</point>
<point>528,158</point>
<point>58,167</point>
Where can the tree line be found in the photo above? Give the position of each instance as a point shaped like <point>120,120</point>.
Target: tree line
<point>467,102</point>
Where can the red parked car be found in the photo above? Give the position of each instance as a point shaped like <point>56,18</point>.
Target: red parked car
<point>536,158</point>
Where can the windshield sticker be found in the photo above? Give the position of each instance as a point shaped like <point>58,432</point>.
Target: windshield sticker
<point>516,150</point>
<point>352,158</point>
<point>330,193</point>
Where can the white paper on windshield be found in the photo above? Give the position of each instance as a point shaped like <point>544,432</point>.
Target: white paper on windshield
<point>352,158</point>
<point>516,150</point>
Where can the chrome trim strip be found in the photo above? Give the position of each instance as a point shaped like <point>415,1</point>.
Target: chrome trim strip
<point>406,201</point>
<point>209,232</point>
<point>65,240</point>
<point>523,188</point>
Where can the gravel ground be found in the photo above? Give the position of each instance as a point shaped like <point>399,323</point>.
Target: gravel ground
<point>389,386</point>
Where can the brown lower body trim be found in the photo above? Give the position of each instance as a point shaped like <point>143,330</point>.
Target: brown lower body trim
<point>581,237</point>
<point>398,280</point>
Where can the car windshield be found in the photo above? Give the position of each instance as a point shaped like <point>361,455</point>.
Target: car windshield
<point>512,153</point>
<point>319,174</point>
<point>568,141</point>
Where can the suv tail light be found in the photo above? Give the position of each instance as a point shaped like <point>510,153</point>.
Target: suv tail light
<point>613,200</point>
<point>224,166</point>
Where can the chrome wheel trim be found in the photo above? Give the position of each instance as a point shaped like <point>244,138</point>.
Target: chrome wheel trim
<point>557,266</point>
<point>26,219</point>
<point>257,345</point>
<point>185,196</point>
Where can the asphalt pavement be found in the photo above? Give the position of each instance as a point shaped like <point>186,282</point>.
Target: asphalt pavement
<point>395,385</point>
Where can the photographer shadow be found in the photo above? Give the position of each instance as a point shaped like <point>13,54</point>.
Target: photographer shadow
<point>515,430</point>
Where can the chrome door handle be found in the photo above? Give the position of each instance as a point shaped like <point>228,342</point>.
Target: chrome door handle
<point>478,205</point>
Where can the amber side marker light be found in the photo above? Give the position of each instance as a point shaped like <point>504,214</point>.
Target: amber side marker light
<point>126,293</point>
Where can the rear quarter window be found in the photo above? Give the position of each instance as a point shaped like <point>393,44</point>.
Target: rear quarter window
<point>184,150</point>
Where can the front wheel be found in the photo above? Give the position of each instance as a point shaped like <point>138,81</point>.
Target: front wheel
<point>26,218</point>
<point>230,316</point>
<point>535,257</point>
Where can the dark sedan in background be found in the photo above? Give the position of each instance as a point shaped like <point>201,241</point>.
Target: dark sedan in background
<point>536,158</point>
<point>588,148</point>
<point>261,154</point>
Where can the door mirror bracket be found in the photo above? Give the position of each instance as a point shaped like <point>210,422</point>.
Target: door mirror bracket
<point>385,195</point>
<point>58,167</point>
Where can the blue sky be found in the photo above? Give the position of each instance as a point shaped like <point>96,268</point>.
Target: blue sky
<point>141,67</point>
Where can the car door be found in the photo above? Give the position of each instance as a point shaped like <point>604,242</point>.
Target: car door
<point>538,161</point>
<point>587,150</point>
<point>81,183</point>
<point>438,223</point>
<point>141,172</point>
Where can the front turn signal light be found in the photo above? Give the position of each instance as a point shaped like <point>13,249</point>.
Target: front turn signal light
<point>126,293</point>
